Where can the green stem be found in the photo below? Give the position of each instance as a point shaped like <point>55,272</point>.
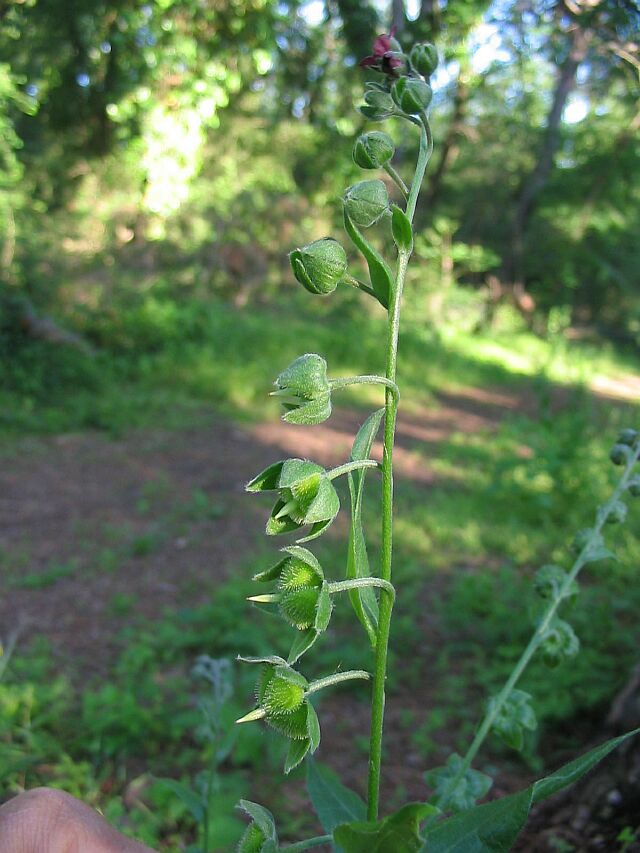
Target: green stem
<point>355,282</point>
<point>351,466</point>
<point>360,583</point>
<point>336,678</point>
<point>397,180</point>
<point>310,842</point>
<point>539,634</point>
<point>391,408</point>
<point>343,382</point>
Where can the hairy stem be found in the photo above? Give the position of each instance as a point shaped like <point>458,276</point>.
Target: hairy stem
<point>310,842</point>
<point>361,583</point>
<point>336,678</point>
<point>343,382</point>
<point>391,408</point>
<point>354,465</point>
<point>539,634</point>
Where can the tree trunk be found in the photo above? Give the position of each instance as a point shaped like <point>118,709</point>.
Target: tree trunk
<point>537,179</point>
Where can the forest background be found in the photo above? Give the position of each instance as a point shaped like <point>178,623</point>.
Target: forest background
<point>157,162</point>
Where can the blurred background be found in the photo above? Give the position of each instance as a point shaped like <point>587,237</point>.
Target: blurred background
<point>157,162</point>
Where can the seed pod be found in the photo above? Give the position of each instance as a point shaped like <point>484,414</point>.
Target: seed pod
<point>304,390</point>
<point>366,202</point>
<point>320,265</point>
<point>305,496</point>
<point>560,642</point>
<point>424,58</point>
<point>280,690</point>
<point>411,94</point>
<point>634,487</point>
<point>381,101</point>
<point>372,150</point>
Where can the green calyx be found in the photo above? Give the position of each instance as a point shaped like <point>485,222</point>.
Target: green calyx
<point>320,265</point>
<point>559,643</point>
<point>252,841</point>
<point>280,690</point>
<point>300,585</point>
<point>372,150</point>
<point>411,94</point>
<point>366,202</point>
<point>424,58</point>
<point>304,391</point>
<point>305,496</point>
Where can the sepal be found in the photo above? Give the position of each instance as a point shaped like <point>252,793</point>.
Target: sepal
<point>366,202</point>
<point>514,717</point>
<point>320,265</point>
<point>472,787</point>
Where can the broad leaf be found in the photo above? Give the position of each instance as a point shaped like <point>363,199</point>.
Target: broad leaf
<point>400,832</point>
<point>334,803</point>
<point>493,827</point>
<point>363,601</point>
<point>379,272</point>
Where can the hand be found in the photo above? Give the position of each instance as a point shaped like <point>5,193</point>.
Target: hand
<point>45,820</point>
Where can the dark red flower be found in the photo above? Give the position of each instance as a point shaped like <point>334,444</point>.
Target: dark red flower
<point>383,58</point>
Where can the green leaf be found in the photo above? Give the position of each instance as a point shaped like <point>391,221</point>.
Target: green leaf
<point>494,827</point>
<point>400,832</point>
<point>473,786</point>
<point>187,796</point>
<point>301,644</point>
<point>261,817</point>
<point>514,717</point>
<point>379,272</point>
<point>296,752</point>
<point>401,229</point>
<point>363,601</point>
<point>333,802</point>
<point>267,480</point>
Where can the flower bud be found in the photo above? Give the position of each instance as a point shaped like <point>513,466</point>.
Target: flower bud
<point>424,58</point>
<point>320,265</point>
<point>301,586</point>
<point>372,150</point>
<point>628,437</point>
<point>634,487</point>
<point>619,454</point>
<point>304,390</point>
<point>366,202</point>
<point>411,94</point>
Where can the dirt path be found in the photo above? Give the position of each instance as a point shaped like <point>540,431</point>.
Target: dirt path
<point>93,528</point>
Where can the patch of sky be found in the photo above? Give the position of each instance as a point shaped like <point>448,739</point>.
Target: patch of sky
<point>83,79</point>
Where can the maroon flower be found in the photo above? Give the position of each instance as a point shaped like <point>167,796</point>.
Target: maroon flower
<point>384,58</point>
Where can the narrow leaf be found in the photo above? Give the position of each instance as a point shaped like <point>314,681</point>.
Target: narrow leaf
<point>379,272</point>
<point>363,601</point>
<point>401,229</point>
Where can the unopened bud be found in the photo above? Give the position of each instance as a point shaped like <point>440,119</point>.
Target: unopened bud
<point>366,202</point>
<point>411,94</point>
<point>424,58</point>
<point>320,265</point>
<point>372,150</point>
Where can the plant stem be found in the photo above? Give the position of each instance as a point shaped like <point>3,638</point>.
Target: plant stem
<point>539,634</point>
<point>391,408</point>
<point>336,678</point>
<point>310,842</point>
<point>361,583</point>
<point>343,382</point>
<point>354,465</point>
<point>355,282</point>
<point>397,180</point>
